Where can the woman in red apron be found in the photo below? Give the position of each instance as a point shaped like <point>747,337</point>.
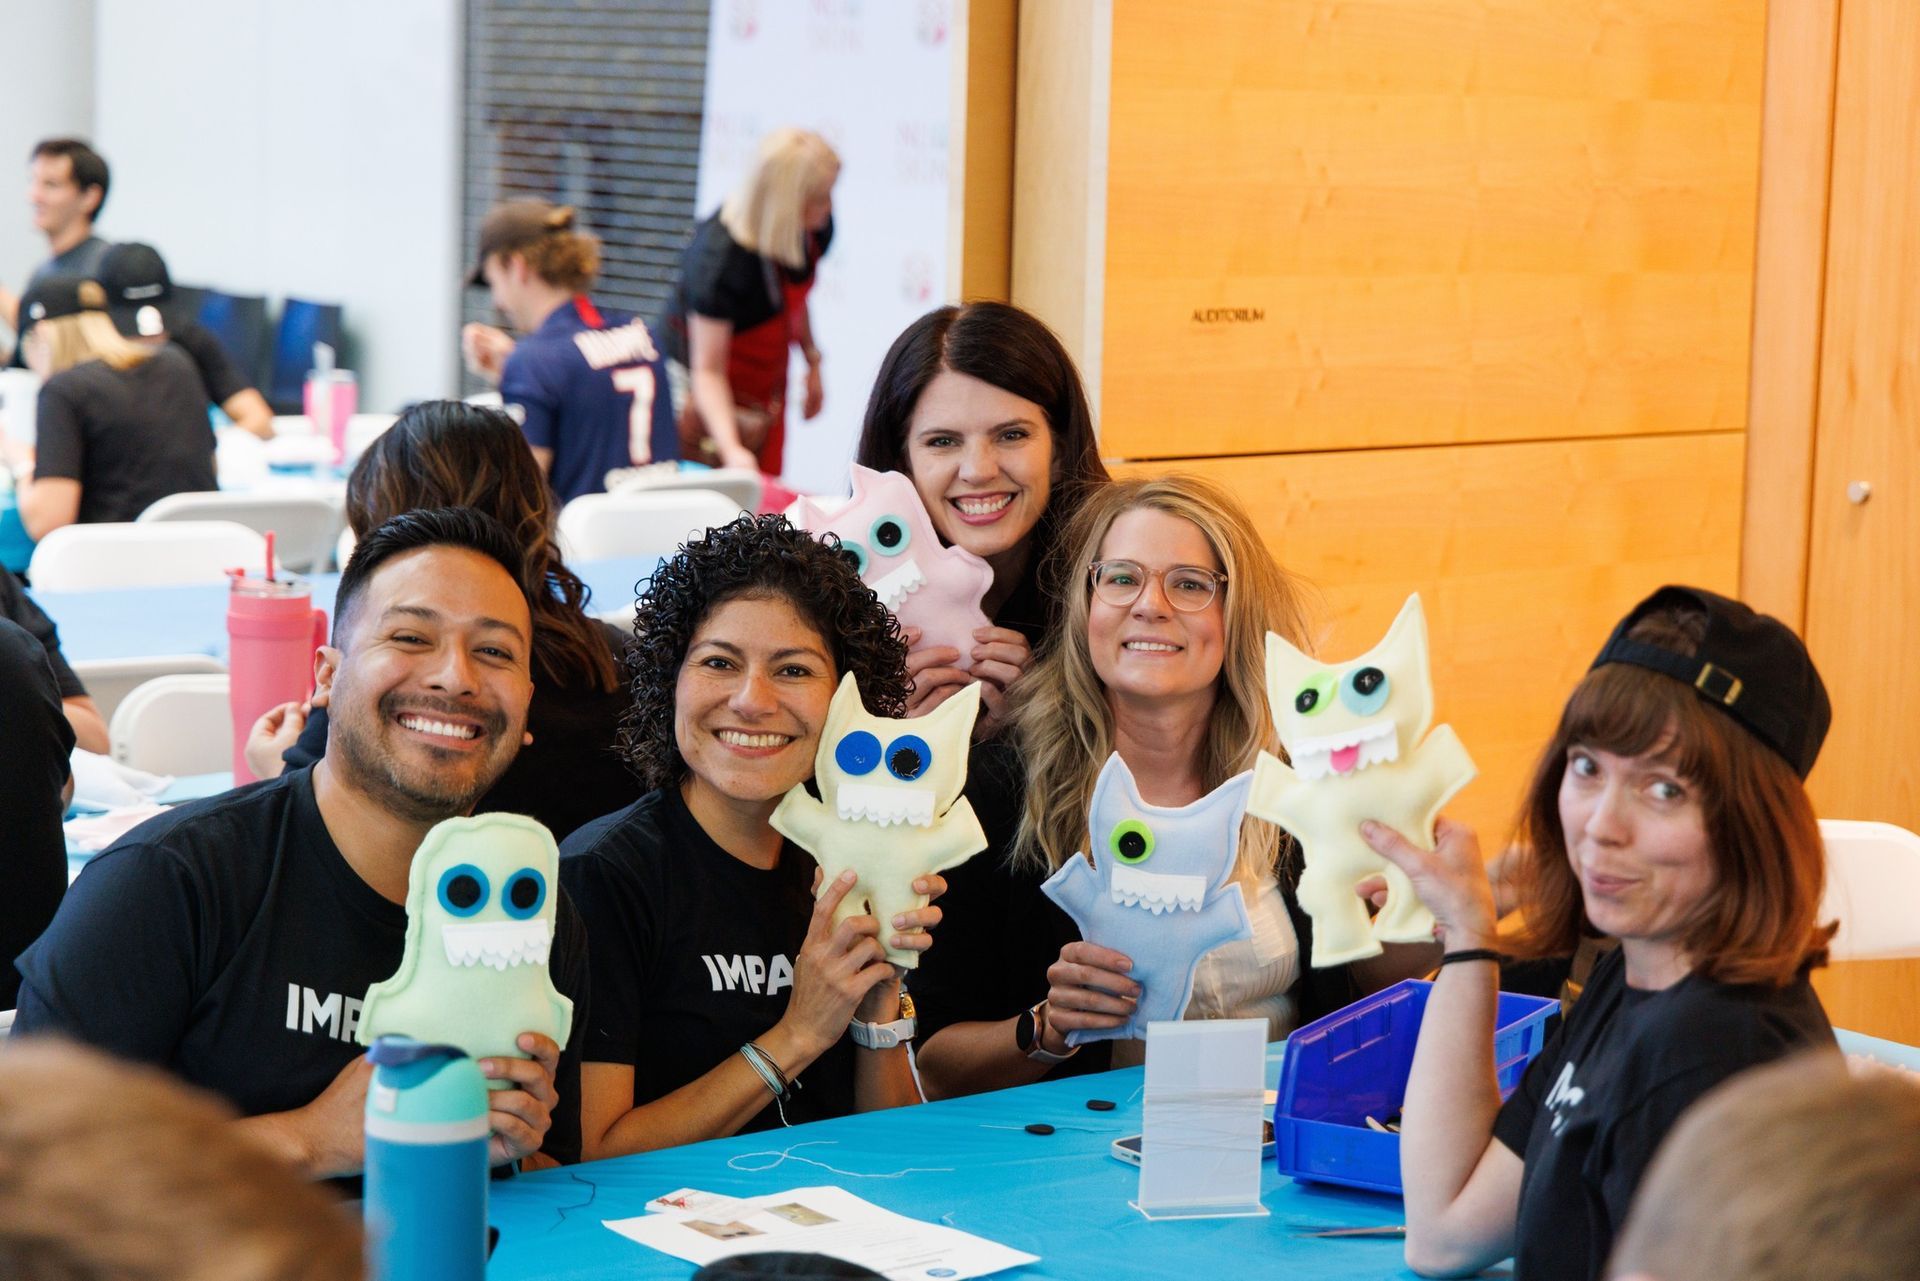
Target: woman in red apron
<point>742,301</point>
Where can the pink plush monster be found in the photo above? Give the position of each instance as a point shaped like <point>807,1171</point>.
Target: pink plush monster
<point>932,587</point>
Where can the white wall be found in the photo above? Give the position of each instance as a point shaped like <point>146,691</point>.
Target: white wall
<point>309,150</point>
<point>46,91</point>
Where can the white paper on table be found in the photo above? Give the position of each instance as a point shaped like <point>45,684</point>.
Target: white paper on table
<point>823,1220</point>
<point>1200,1119</point>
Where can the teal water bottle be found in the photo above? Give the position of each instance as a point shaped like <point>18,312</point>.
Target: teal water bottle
<point>426,1171</point>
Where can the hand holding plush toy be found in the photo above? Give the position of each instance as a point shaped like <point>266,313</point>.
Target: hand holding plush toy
<point>890,806</point>
<point>1159,888</point>
<point>1354,733</point>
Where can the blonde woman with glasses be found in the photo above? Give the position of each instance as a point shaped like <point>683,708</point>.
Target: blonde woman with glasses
<point>742,301</point>
<point>1158,654</point>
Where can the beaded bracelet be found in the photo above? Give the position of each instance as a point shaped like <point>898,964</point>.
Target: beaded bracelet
<point>1472,954</point>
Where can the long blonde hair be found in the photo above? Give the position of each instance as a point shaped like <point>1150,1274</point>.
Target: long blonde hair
<point>1061,717</point>
<point>87,335</point>
<point>765,212</point>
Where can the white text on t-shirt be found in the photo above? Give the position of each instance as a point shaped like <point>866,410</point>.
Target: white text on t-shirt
<point>749,973</point>
<point>333,1015</point>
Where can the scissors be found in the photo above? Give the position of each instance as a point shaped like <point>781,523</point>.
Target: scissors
<point>1317,1230</point>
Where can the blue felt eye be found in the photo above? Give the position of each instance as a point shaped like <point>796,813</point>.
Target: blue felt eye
<point>463,889</point>
<point>525,895</point>
<point>857,753</point>
<point>856,550</point>
<point>908,757</point>
<point>1364,690</point>
<point>889,536</point>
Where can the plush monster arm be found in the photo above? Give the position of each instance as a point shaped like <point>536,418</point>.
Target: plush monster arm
<point>958,836</point>
<point>803,820</point>
<point>1076,887</point>
<point>1275,785</point>
<point>1226,913</point>
<point>1441,767</point>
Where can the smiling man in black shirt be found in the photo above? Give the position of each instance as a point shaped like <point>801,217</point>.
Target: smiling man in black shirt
<point>233,940</point>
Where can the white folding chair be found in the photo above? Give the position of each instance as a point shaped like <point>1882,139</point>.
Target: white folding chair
<point>343,548</point>
<point>77,558</point>
<point>603,526</point>
<point>6,1023</point>
<point>1873,887</point>
<point>110,680</point>
<point>742,484</point>
<point>175,725</point>
<point>304,525</point>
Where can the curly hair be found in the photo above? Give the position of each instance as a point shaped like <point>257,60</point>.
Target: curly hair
<point>754,557</point>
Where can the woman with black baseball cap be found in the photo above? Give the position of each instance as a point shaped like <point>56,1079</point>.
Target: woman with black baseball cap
<point>1668,813</point>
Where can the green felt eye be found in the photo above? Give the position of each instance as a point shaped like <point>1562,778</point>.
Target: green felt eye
<point>1314,695</point>
<point>1131,841</point>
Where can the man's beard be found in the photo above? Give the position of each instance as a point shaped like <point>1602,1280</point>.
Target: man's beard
<point>419,800</point>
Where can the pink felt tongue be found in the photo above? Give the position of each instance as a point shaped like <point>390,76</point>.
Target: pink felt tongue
<point>1345,758</point>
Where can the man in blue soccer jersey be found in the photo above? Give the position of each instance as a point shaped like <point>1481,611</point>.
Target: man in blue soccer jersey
<point>588,386</point>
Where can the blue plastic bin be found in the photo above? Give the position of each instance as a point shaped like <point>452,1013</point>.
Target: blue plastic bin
<point>1354,1063</point>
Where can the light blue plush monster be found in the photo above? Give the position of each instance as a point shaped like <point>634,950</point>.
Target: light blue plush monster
<point>481,899</point>
<point>1159,888</point>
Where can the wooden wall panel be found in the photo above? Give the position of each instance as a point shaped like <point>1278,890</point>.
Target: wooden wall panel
<point>1335,224</point>
<point>980,245</point>
<point>1525,556</point>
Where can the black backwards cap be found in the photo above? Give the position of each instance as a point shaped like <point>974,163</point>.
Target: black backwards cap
<point>1749,665</point>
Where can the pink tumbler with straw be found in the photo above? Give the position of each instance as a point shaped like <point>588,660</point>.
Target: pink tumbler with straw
<point>272,631</point>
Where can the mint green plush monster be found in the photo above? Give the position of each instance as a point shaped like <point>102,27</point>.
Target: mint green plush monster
<point>481,899</point>
<point>890,806</point>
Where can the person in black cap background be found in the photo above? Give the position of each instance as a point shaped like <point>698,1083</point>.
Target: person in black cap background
<point>121,426</point>
<point>1667,812</point>
<point>67,188</point>
<point>141,300</point>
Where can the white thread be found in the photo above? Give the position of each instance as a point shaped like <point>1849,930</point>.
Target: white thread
<point>1201,1120</point>
<point>787,1154</point>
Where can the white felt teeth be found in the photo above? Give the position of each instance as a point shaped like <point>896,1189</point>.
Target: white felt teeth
<point>871,803</point>
<point>894,589</point>
<point>1377,740</point>
<point>498,944</point>
<point>1156,892</point>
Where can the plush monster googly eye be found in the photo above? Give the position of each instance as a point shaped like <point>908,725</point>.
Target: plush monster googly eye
<point>889,536</point>
<point>1315,694</point>
<point>859,553</point>
<point>525,895</point>
<point>908,757</point>
<point>463,889</point>
<point>1131,841</point>
<point>857,753</point>
<point>1365,690</point>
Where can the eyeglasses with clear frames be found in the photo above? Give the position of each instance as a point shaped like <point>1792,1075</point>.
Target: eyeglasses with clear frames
<point>1188,588</point>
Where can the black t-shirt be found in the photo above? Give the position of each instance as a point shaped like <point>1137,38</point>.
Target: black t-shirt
<point>1595,1105</point>
<point>218,373</point>
<point>16,606</point>
<point>999,933</point>
<point>231,943</point>
<point>568,776</point>
<point>35,741</point>
<point>129,436</point>
<point>695,950</point>
<point>720,279</point>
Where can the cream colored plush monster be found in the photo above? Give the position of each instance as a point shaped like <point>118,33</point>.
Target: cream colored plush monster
<point>1354,733</point>
<point>890,806</point>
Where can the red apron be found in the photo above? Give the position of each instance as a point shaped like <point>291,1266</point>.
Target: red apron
<point>757,373</point>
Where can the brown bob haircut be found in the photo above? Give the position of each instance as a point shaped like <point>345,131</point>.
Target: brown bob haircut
<point>1758,923</point>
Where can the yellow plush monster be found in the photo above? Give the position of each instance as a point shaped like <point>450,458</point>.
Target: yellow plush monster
<point>890,806</point>
<point>1354,734</point>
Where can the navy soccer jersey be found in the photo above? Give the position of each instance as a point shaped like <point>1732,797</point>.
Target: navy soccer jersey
<point>590,386</point>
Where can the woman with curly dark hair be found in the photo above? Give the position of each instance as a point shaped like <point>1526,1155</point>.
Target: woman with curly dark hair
<point>443,453</point>
<point>723,994</point>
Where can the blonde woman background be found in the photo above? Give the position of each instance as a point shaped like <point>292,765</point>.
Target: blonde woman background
<point>120,425</point>
<point>1158,654</point>
<point>742,300</point>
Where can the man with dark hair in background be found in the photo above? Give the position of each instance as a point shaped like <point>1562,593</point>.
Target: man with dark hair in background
<point>232,940</point>
<point>66,187</point>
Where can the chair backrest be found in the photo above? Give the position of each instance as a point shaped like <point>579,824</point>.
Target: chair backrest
<point>304,525</point>
<point>239,321</point>
<point>343,548</point>
<point>741,484</point>
<point>110,680</point>
<point>87,557</point>
<point>6,1023</point>
<point>600,526</point>
<point>175,725</point>
<point>302,324</point>
<point>1873,887</point>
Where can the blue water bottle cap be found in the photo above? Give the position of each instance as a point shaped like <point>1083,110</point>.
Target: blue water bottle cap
<point>399,1051</point>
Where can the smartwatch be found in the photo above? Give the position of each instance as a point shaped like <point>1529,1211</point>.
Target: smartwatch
<point>1027,1031</point>
<point>884,1036</point>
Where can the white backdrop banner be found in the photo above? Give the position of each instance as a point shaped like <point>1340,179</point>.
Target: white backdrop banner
<point>872,77</point>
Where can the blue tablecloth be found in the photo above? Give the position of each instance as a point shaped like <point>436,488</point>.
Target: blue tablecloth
<point>1059,1196</point>
<point>148,621</point>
